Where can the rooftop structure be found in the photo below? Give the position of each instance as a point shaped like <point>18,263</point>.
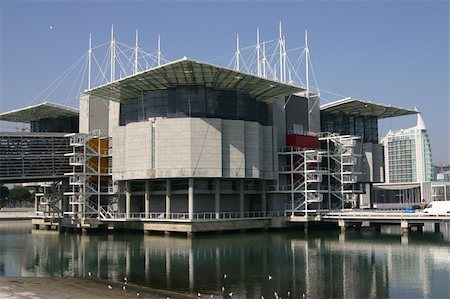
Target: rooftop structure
<point>45,117</point>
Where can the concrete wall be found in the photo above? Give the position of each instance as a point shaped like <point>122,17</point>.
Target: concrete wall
<point>84,114</point>
<point>192,147</point>
<point>372,163</point>
<point>131,149</point>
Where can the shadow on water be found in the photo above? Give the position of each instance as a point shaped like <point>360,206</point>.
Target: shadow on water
<point>323,263</point>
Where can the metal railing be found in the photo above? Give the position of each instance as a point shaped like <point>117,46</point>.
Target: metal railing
<point>195,216</point>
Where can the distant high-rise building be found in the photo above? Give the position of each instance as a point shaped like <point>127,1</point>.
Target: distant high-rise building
<point>407,154</point>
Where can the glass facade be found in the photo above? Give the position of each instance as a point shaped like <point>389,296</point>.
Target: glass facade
<point>193,101</point>
<point>364,126</point>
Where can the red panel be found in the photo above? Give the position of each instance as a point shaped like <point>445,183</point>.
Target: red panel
<point>302,141</point>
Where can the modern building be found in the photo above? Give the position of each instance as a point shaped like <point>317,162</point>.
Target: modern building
<point>408,154</point>
<point>409,169</point>
<point>38,156</point>
<point>189,146</point>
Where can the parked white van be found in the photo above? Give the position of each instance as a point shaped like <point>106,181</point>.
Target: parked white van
<point>438,207</point>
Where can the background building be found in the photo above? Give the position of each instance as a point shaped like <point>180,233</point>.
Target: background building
<point>408,154</point>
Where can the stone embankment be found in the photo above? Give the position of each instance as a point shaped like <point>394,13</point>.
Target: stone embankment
<point>16,213</point>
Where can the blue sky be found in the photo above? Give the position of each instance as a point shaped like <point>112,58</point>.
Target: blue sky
<point>388,52</point>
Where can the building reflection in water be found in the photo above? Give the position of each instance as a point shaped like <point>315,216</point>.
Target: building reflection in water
<point>319,264</point>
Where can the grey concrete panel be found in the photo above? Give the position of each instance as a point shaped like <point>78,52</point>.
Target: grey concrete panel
<point>84,114</point>
<point>253,143</point>
<point>233,148</point>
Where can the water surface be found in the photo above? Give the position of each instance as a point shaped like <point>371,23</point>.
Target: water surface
<point>319,264</point>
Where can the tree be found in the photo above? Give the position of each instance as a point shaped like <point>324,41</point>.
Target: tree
<point>19,193</point>
<point>4,191</point>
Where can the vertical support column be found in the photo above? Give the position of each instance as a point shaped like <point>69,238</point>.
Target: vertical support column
<point>191,198</point>
<point>241,198</point>
<point>264,198</point>
<point>217,198</point>
<point>36,199</point>
<point>342,224</point>
<point>405,227</point>
<point>147,199</point>
<point>127,199</point>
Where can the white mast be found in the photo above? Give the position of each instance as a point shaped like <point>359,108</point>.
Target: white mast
<point>264,61</point>
<point>284,59</point>
<point>89,61</point>
<point>307,63</point>
<point>258,50</point>
<point>113,55</point>
<point>238,53</point>
<point>280,41</point>
<point>136,49</point>
<point>159,50</point>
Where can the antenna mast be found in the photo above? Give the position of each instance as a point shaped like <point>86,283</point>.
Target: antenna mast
<point>307,63</point>
<point>159,50</point>
<point>136,48</point>
<point>281,54</point>
<point>258,50</point>
<point>89,61</point>
<point>264,61</point>
<point>113,55</point>
<point>238,53</point>
<point>284,59</point>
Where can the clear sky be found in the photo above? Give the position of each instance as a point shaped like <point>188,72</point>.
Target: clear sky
<point>391,52</point>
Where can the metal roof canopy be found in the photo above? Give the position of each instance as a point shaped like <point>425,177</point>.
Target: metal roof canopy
<point>189,72</point>
<point>44,110</point>
<point>354,107</point>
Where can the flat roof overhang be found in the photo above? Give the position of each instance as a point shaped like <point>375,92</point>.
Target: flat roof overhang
<point>355,107</point>
<point>190,72</point>
<point>44,110</point>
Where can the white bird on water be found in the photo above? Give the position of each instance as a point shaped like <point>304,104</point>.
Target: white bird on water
<point>125,279</point>
<point>230,294</point>
<point>89,274</point>
<point>109,287</point>
<point>137,294</point>
<point>276,295</point>
<point>124,288</point>
<point>199,295</point>
<point>223,289</point>
<point>270,277</point>
<point>225,276</point>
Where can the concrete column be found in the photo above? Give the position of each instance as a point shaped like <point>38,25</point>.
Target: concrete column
<point>35,204</point>
<point>127,199</point>
<point>167,198</point>
<point>264,198</point>
<point>241,198</point>
<point>405,227</point>
<point>147,199</point>
<point>217,198</point>
<point>191,198</point>
<point>342,224</point>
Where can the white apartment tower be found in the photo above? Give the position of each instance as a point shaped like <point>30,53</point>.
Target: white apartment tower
<point>407,154</point>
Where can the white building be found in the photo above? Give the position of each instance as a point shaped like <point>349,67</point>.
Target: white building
<point>408,154</point>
